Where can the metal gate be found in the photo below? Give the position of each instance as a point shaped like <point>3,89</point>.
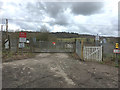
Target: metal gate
<point>92,53</point>
<point>49,46</point>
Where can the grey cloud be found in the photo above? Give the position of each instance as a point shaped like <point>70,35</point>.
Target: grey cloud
<point>34,8</point>
<point>37,10</point>
<point>83,8</point>
<point>86,8</point>
<point>31,11</point>
<point>54,8</point>
<point>62,19</point>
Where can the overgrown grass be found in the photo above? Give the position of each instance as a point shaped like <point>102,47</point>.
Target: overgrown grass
<point>91,40</point>
<point>110,60</point>
<point>11,56</point>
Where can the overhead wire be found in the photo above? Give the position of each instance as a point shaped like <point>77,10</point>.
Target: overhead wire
<point>54,22</point>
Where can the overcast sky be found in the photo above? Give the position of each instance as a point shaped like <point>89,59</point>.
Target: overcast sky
<point>80,17</point>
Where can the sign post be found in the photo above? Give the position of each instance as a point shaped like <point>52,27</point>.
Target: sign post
<point>97,40</point>
<point>116,51</point>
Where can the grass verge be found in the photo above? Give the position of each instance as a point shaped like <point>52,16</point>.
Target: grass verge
<point>6,57</point>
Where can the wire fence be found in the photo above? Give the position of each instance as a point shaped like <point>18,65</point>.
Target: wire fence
<point>57,46</point>
<point>40,46</point>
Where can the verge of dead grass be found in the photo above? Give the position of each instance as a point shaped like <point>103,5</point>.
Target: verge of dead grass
<point>6,57</point>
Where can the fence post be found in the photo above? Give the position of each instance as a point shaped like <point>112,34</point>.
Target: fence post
<point>17,45</point>
<point>82,49</point>
<point>75,46</point>
<point>31,45</point>
<point>102,52</point>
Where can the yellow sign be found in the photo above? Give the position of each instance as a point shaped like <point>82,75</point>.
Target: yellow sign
<point>116,45</point>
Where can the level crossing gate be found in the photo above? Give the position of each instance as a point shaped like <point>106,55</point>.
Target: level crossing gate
<point>51,46</point>
<point>92,53</point>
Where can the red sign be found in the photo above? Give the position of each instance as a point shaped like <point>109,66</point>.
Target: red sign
<point>116,51</point>
<point>22,34</point>
<point>53,43</point>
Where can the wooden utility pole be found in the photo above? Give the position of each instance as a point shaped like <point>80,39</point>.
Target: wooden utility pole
<point>7,28</point>
<point>7,36</point>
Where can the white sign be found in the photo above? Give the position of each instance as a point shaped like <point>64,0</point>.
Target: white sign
<point>22,39</point>
<point>21,45</point>
<point>101,42</point>
<point>7,45</point>
<point>104,40</point>
<point>116,51</point>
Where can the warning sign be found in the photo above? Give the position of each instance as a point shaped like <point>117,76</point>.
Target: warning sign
<point>116,51</point>
<point>22,35</point>
<point>53,43</point>
<point>116,45</point>
<point>22,39</point>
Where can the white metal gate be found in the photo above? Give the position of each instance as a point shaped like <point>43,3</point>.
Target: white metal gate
<point>92,53</point>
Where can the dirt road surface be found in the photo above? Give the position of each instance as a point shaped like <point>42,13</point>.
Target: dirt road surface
<point>58,70</point>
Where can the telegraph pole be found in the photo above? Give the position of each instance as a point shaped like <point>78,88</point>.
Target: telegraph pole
<point>7,28</point>
<point>7,36</point>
